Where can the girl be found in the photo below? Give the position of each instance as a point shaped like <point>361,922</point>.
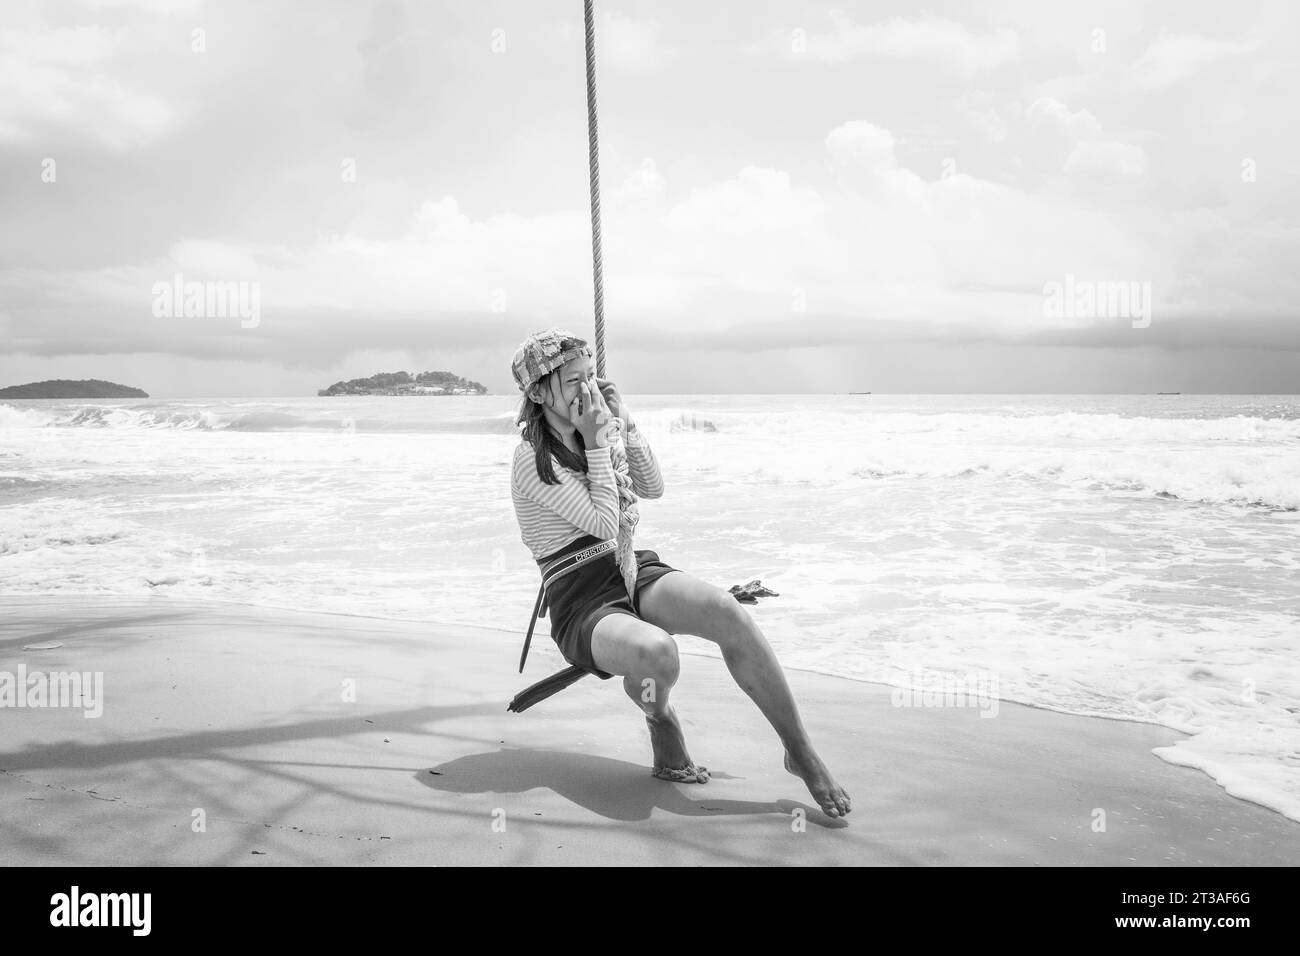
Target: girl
<point>578,471</point>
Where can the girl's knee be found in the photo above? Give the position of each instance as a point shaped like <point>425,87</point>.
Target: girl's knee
<point>627,645</point>
<point>726,607</point>
<point>658,658</point>
<point>730,623</point>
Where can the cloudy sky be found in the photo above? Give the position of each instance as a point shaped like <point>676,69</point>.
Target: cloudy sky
<point>797,197</point>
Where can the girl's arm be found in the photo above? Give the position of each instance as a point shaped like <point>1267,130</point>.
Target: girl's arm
<point>642,466</point>
<point>594,510</point>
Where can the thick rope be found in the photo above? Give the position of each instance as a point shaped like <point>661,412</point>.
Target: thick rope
<point>593,160</point>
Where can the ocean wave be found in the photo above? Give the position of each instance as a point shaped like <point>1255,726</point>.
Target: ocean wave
<point>838,424</point>
<point>1259,483</point>
<point>691,422</point>
<point>11,417</point>
<point>974,427</point>
<point>187,419</point>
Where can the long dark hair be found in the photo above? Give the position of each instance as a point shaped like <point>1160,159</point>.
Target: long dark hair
<point>537,431</point>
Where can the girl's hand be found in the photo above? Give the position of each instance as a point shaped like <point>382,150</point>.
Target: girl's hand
<point>591,416</point>
<point>614,400</point>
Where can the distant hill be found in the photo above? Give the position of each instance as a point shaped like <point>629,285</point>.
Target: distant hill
<point>66,388</point>
<point>404,383</point>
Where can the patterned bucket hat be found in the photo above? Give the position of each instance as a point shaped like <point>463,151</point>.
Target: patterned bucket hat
<point>540,354</point>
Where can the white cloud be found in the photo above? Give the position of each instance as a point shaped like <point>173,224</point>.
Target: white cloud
<point>64,78</point>
<point>1077,124</point>
<point>1092,158</point>
<point>63,46</point>
<point>645,184</point>
<point>442,218</point>
<point>630,43</point>
<point>163,7</point>
<point>980,113</point>
<point>989,124</point>
<point>1175,57</point>
<point>886,244</point>
<point>1069,86</point>
<point>722,228</point>
<point>861,143</point>
<point>927,38</point>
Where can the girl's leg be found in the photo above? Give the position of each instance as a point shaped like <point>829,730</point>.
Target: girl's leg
<point>646,658</point>
<point>680,603</point>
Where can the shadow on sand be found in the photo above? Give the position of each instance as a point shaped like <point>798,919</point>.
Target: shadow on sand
<point>610,788</point>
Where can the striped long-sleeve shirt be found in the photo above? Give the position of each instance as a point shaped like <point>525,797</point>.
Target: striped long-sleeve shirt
<point>551,516</point>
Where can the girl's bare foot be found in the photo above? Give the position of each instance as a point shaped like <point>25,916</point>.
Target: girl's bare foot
<point>671,761</point>
<point>830,796</point>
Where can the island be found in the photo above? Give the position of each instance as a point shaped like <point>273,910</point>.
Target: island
<point>404,383</point>
<point>67,388</point>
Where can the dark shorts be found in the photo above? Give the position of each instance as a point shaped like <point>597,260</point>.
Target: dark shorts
<point>580,598</point>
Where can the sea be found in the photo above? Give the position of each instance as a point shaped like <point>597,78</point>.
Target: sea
<point>1132,557</point>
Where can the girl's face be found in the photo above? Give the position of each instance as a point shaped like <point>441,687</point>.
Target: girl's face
<point>572,375</point>
<point>559,393</point>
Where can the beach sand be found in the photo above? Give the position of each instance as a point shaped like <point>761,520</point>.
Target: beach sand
<point>235,717</point>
